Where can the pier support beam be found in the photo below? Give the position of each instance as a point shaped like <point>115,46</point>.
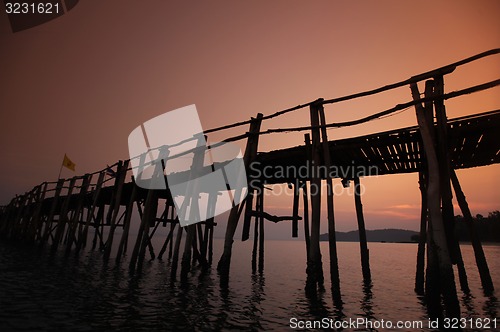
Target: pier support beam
<point>315,279</point>
<point>445,186</point>
<point>232,223</point>
<point>422,239</point>
<point>332,241</point>
<point>438,246</point>
<point>482,264</point>
<point>363,245</point>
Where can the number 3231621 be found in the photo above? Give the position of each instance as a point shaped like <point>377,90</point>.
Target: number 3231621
<point>32,8</point>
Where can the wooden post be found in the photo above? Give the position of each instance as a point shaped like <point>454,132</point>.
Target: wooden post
<point>314,265</point>
<point>63,215</point>
<point>482,264</point>
<point>168,240</point>
<point>261,220</point>
<point>82,239</point>
<point>232,223</point>
<point>175,258</point>
<point>422,239</point>
<point>305,200</point>
<point>122,248</point>
<point>332,242</point>
<point>73,225</point>
<point>50,218</point>
<point>255,243</point>
<point>437,236</point>
<point>97,223</point>
<point>252,147</point>
<point>363,245</point>
<point>444,175</point>
<point>295,221</point>
<point>121,173</point>
<point>192,200</point>
<point>36,232</point>
<point>148,219</point>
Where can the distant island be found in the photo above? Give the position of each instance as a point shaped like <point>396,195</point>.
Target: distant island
<point>379,235</point>
<point>487,227</point>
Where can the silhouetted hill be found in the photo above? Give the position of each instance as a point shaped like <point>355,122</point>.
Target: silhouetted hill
<point>379,235</point>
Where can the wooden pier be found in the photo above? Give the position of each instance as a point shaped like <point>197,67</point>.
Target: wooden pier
<point>86,210</point>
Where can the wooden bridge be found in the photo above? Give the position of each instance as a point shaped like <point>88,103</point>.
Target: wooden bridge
<point>67,212</point>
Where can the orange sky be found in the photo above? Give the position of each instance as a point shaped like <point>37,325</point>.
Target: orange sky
<point>81,83</point>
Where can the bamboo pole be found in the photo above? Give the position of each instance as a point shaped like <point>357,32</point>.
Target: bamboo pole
<point>260,197</point>
<point>363,245</point>
<point>314,269</point>
<point>75,220</point>
<point>255,243</point>
<point>332,242</point>
<point>482,264</point>
<point>295,221</point>
<point>444,176</point>
<point>63,215</point>
<point>122,247</point>
<point>121,173</point>
<point>437,236</point>
<point>82,239</point>
<point>175,258</point>
<point>422,239</point>
<point>38,223</point>
<point>50,218</point>
<point>232,223</point>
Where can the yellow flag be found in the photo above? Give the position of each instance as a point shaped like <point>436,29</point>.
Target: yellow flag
<point>68,163</point>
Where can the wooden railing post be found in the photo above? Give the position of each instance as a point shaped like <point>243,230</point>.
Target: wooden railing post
<point>232,223</point>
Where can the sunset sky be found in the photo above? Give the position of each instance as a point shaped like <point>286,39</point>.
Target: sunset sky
<point>81,83</point>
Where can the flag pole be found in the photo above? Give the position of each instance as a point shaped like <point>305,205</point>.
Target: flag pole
<point>60,170</point>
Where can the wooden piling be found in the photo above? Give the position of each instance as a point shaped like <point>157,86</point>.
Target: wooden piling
<point>314,270</point>
<point>255,244</point>
<point>437,236</point>
<point>50,218</point>
<point>232,223</point>
<point>363,245</point>
<point>260,198</point>
<point>422,239</point>
<point>175,257</point>
<point>444,176</point>
<point>82,239</point>
<point>37,227</point>
<point>121,173</point>
<point>482,264</point>
<point>332,242</point>
<point>63,215</point>
<point>122,247</point>
<point>305,200</point>
<point>75,220</point>
<point>295,220</point>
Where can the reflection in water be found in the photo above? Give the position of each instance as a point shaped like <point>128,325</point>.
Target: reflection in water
<point>490,307</point>
<point>467,301</point>
<point>44,291</point>
<point>366,303</point>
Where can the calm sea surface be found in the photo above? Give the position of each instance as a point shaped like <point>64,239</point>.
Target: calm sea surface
<point>40,291</point>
